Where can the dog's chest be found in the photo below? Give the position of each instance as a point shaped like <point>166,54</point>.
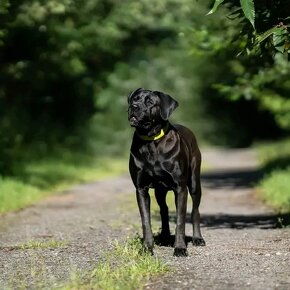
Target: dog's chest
<point>156,169</point>
<point>151,157</point>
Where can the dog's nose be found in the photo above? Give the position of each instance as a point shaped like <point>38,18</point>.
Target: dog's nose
<point>133,121</point>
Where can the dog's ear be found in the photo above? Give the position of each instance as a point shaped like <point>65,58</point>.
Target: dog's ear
<point>133,93</point>
<point>167,105</point>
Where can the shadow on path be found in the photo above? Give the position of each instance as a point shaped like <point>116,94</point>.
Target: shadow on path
<point>267,221</point>
<point>235,179</point>
<point>231,178</point>
<point>223,221</point>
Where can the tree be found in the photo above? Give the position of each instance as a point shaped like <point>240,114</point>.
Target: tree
<point>55,59</point>
<point>264,24</point>
<point>263,75</point>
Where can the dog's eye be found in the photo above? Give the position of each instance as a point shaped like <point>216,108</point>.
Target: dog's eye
<point>149,102</point>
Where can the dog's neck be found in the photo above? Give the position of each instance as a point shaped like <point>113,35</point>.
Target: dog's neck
<point>154,133</point>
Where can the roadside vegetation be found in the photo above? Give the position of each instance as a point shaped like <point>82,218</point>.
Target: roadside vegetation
<point>38,179</point>
<point>126,266</point>
<point>68,66</point>
<point>275,164</point>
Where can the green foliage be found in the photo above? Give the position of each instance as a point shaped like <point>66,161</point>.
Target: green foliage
<point>36,179</point>
<point>188,78</point>
<point>215,6</point>
<point>165,71</point>
<point>4,5</point>
<point>274,155</point>
<point>268,86</point>
<point>67,67</point>
<point>262,76</point>
<point>15,194</point>
<point>275,185</point>
<point>249,10</point>
<point>55,61</point>
<point>270,24</point>
<point>125,266</point>
<point>275,189</point>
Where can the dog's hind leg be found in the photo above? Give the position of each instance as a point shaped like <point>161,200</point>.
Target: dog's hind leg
<point>195,192</point>
<point>160,194</point>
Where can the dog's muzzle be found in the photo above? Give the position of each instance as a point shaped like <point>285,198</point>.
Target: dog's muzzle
<point>133,121</point>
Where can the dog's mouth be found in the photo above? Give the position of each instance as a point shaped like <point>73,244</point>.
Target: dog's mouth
<point>133,121</point>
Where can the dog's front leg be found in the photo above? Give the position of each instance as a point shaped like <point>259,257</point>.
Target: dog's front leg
<point>143,199</point>
<point>180,201</point>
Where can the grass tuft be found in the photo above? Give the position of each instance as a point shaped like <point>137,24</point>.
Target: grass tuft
<point>52,244</point>
<point>126,266</point>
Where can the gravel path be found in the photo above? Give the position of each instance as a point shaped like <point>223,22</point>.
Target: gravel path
<point>245,249</point>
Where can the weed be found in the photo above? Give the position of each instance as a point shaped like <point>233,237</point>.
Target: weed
<point>52,244</point>
<point>35,276</point>
<point>126,266</point>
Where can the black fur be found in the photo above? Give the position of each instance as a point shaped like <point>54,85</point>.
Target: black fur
<point>169,163</point>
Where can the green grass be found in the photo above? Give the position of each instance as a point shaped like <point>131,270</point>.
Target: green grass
<point>126,266</point>
<point>38,179</point>
<point>275,185</point>
<point>275,155</point>
<point>276,189</point>
<point>15,194</point>
<point>52,244</point>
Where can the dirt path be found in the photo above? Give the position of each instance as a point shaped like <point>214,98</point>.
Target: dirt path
<point>244,248</point>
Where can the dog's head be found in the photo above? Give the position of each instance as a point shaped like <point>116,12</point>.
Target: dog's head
<point>147,108</point>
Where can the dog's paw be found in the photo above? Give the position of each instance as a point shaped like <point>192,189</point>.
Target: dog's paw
<point>164,239</point>
<point>180,252</point>
<point>199,242</point>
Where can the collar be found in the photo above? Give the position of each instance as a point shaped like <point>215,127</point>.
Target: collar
<point>159,135</point>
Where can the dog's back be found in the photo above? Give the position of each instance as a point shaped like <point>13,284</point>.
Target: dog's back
<point>189,140</point>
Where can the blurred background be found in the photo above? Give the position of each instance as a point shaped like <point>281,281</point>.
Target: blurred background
<point>66,68</point>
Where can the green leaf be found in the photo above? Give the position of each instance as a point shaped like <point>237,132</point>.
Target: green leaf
<point>215,6</point>
<point>4,5</point>
<point>249,10</point>
<point>261,37</point>
<point>280,38</point>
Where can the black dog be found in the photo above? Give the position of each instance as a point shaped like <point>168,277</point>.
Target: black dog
<point>164,157</point>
